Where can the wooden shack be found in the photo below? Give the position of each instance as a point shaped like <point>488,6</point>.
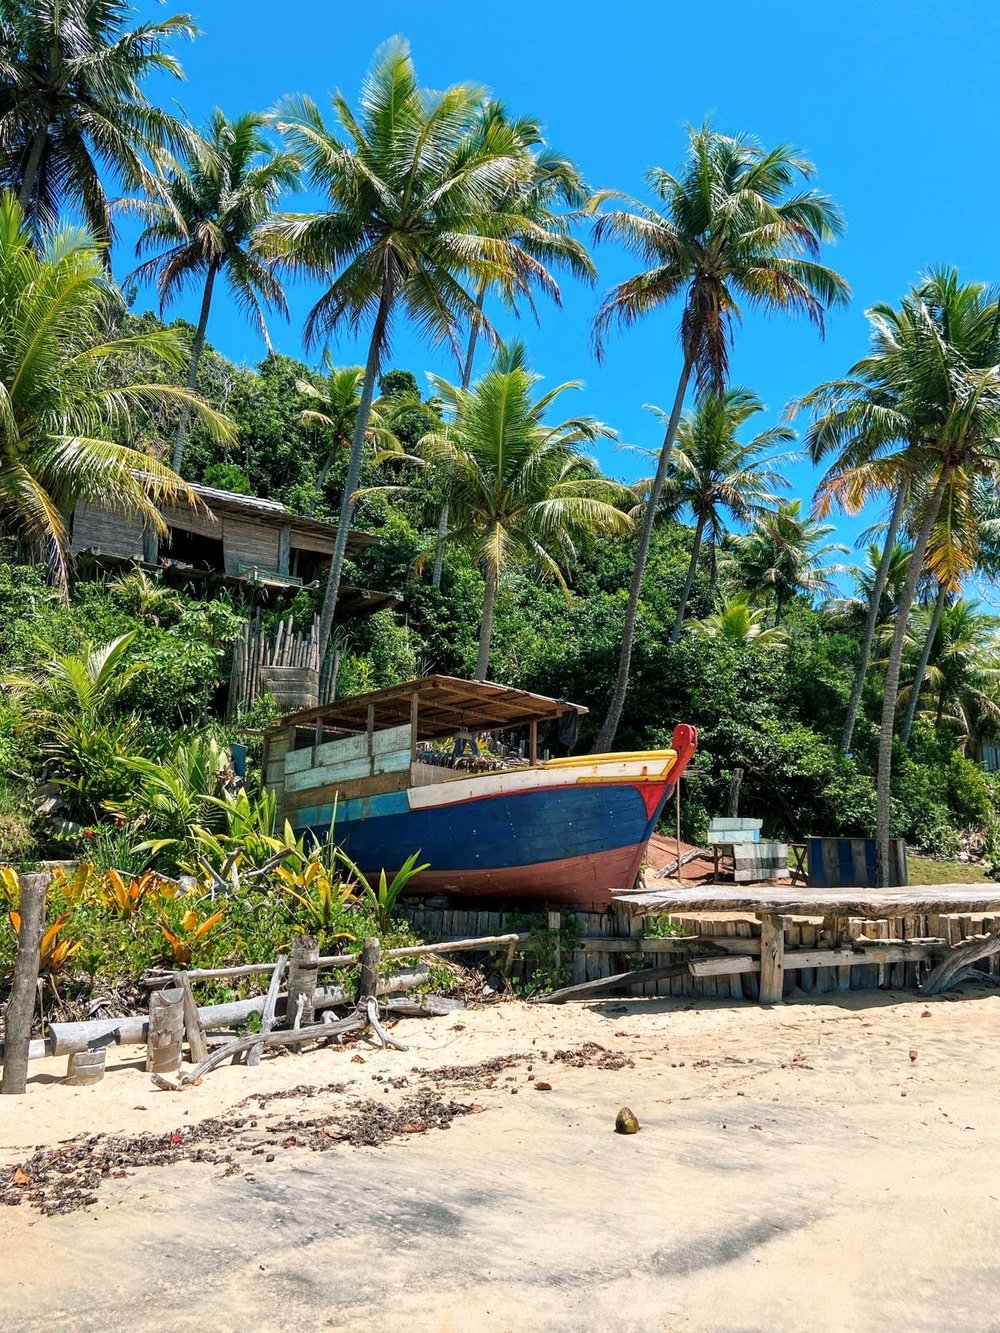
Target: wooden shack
<point>225,538</point>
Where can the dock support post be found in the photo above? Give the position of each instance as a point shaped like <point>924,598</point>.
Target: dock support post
<point>772,958</point>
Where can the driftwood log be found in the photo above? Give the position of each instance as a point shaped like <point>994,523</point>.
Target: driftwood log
<point>956,966</point>
<point>65,1038</point>
<point>24,986</point>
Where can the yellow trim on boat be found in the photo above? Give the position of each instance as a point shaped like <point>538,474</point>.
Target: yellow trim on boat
<point>621,757</point>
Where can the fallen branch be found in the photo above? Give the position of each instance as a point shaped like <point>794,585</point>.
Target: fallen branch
<point>289,1037</point>
<point>371,1010</point>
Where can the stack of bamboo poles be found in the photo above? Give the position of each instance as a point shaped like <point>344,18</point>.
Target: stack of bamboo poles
<point>256,649</point>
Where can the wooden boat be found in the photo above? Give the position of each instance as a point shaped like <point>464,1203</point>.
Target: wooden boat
<point>508,825</point>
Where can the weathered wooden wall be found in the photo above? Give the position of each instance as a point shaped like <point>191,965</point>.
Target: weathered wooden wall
<point>608,943</point>
<point>96,529</point>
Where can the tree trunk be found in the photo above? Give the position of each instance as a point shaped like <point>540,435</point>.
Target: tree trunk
<point>925,657</point>
<point>486,630</point>
<point>779,604</point>
<point>883,817</point>
<point>31,169</point>
<point>609,729</point>
<point>442,533</point>
<point>354,466</point>
<point>192,379</point>
<point>470,357</point>
<point>24,985</point>
<point>675,633</point>
<point>871,622</point>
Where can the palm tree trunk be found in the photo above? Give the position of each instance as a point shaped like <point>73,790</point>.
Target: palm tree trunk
<point>779,604</point>
<point>871,622</point>
<point>192,379</point>
<point>486,629</point>
<point>470,357</point>
<point>31,168</point>
<point>607,733</point>
<point>354,465</point>
<point>883,816</point>
<point>442,533</point>
<point>925,657</point>
<point>675,633</point>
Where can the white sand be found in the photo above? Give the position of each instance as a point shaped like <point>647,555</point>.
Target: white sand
<point>795,1169</point>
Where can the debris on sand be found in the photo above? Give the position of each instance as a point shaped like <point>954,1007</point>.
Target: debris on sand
<point>590,1053</point>
<point>67,1177</point>
<point>484,1074</point>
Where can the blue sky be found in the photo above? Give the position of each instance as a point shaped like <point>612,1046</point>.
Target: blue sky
<point>896,101</point>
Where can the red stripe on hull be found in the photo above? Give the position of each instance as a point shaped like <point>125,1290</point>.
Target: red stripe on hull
<point>586,882</point>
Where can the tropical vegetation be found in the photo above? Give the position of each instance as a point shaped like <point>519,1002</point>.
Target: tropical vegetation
<point>861,701</point>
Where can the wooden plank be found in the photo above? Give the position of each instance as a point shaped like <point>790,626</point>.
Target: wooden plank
<point>723,967</point>
<point>599,985</point>
<point>796,900</point>
<point>356,790</point>
<point>398,761</point>
<point>772,962</point>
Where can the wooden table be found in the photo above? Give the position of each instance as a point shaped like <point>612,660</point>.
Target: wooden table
<point>770,904</point>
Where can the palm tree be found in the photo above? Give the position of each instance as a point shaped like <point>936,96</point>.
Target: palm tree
<point>520,491</point>
<point>527,215</point>
<point>72,106</point>
<point>68,397</point>
<point>965,539</point>
<point>716,477</point>
<point>933,373</point>
<point>336,411</point>
<point>866,581</point>
<point>735,621</point>
<point>203,218</point>
<point>787,554</point>
<point>963,675</point>
<point>414,191</point>
<point>732,228</point>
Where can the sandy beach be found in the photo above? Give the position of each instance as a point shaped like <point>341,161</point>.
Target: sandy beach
<point>821,1165</point>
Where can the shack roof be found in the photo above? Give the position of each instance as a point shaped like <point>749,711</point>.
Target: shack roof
<point>445,704</point>
<point>272,512</point>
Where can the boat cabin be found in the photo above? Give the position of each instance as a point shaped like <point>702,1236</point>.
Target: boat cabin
<point>225,539</point>
<point>426,731</point>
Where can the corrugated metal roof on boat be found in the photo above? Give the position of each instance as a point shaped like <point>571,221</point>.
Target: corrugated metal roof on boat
<point>444,705</point>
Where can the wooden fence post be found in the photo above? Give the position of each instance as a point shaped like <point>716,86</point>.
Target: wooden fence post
<point>165,1040</point>
<point>371,953</point>
<point>302,972</point>
<point>24,987</point>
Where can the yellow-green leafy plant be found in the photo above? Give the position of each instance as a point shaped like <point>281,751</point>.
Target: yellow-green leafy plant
<point>323,895</point>
<point>53,952</point>
<point>383,896</point>
<point>191,930</point>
